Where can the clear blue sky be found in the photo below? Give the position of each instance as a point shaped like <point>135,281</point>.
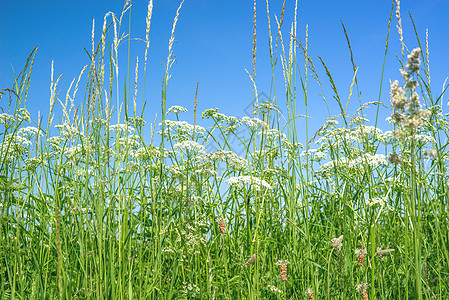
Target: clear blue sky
<point>214,47</point>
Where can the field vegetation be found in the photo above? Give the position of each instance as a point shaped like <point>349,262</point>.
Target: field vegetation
<point>93,208</point>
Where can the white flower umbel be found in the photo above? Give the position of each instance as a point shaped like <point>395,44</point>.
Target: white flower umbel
<point>176,109</point>
<point>374,201</point>
<point>122,128</point>
<point>189,145</point>
<point>372,160</point>
<point>6,119</point>
<point>257,183</point>
<point>253,123</point>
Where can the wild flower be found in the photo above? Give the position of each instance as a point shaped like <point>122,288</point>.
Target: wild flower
<point>29,132</point>
<point>137,121</point>
<point>255,182</point>
<point>190,289</point>
<point>209,113</point>
<point>22,115</point>
<point>254,123</point>
<point>283,265</point>
<point>191,146</point>
<point>206,171</point>
<point>266,106</point>
<point>357,163</point>
<point>361,288</point>
<point>122,128</point>
<point>274,289</point>
<point>422,139</point>
<point>386,138</point>
<point>68,131</point>
<point>374,201</point>
<point>364,131</point>
<point>176,109</point>
<point>181,130</point>
<point>221,225</point>
<point>74,151</point>
<point>146,153</point>
<point>273,134</point>
<point>7,119</point>
<point>128,142</point>
<point>314,154</point>
<point>232,160</point>
<point>360,252</point>
<point>31,164</point>
<point>337,243</point>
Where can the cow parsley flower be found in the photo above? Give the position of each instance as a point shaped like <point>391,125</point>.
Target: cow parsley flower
<point>257,183</point>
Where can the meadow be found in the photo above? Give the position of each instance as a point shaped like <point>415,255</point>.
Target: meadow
<point>93,208</point>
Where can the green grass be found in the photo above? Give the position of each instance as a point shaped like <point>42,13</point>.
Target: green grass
<point>94,209</point>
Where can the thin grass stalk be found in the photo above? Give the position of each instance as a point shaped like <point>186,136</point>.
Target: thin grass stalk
<point>383,67</point>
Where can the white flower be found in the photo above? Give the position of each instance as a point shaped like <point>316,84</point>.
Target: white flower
<point>29,132</point>
<point>183,127</point>
<point>378,200</point>
<point>176,109</point>
<point>68,131</point>
<point>6,119</point>
<point>256,182</point>
<point>122,128</point>
<point>253,123</point>
<point>274,289</point>
<point>422,138</point>
<point>189,145</point>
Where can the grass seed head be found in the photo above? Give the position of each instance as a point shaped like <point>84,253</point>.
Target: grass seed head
<point>337,242</point>
<point>251,260</point>
<point>283,264</point>
<point>221,225</point>
<point>360,252</point>
<point>381,252</point>
<point>394,158</point>
<point>361,288</point>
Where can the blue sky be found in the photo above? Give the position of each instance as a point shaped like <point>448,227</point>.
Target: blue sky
<point>214,47</point>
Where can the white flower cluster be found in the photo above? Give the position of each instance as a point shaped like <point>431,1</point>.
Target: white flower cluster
<point>122,128</point>
<point>254,123</point>
<point>190,289</point>
<point>183,128</point>
<point>29,132</point>
<point>129,142</point>
<point>72,152</point>
<point>272,134</point>
<point>422,139</point>
<point>6,119</point>
<point>372,160</point>
<point>232,160</point>
<point>257,183</point>
<point>274,289</point>
<point>68,131</point>
<point>176,109</point>
<point>374,201</point>
<point>191,146</point>
<point>146,153</point>
<point>315,154</point>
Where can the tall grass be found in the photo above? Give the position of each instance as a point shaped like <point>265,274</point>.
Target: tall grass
<point>93,209</point>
